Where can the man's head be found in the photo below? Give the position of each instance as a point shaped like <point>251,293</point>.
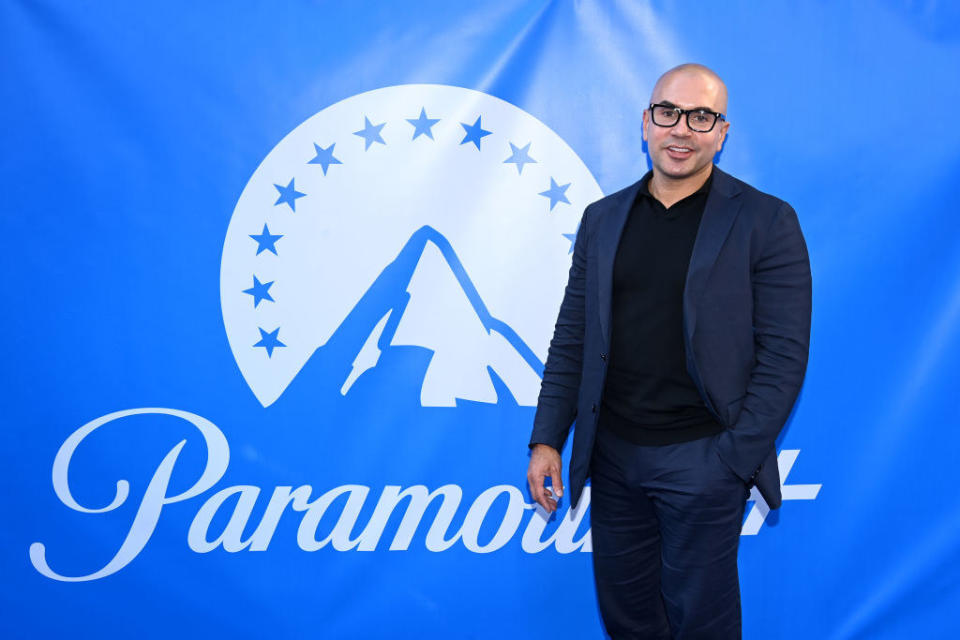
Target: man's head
<point>677,151</point>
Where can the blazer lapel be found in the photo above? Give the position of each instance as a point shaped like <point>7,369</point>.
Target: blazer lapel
<point>721,209</point>
<point>607,241</point>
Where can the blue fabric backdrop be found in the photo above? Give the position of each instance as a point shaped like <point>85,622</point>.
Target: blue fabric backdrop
<point>141,142</point>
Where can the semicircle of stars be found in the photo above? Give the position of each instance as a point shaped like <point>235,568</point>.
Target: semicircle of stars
<point>372,134</point>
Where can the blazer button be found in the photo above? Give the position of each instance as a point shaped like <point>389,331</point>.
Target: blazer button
<point>593,408</point>
<point>603,356</point>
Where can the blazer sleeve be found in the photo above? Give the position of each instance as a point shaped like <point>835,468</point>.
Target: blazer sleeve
<point>557,404</point>
<point>781,322</point>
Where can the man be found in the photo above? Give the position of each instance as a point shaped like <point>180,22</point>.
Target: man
<point>680,347</point>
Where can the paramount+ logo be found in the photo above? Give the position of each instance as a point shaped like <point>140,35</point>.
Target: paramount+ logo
<point>405,249</point>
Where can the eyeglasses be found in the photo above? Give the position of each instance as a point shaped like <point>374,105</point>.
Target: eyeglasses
<point>699,120</point>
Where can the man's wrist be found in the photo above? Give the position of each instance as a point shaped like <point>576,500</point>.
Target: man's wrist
<point>534,445</point>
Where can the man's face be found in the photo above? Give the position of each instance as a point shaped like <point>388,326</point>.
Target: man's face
<point>677,152</point>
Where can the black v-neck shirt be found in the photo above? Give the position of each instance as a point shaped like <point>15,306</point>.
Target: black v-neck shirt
<point>649,397</point>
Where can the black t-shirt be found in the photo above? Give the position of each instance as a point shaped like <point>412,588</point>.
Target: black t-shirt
<point>649,397</point>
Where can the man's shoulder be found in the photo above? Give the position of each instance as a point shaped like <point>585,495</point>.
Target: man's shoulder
<point>753,198</point>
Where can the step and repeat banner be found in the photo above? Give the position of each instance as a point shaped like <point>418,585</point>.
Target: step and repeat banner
<point>280,278</point>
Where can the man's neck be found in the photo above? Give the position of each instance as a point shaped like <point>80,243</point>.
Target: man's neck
<point>670,191</point>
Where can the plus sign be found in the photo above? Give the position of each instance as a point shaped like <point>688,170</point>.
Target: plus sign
<point>758,514</point>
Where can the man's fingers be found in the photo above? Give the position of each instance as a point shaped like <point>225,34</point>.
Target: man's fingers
<point>543,496</point>
<point>557,481</point>
<point>538,492</point>
<point>545,463</point>
<point>534,489</point>
<point>550,494</point>
<point>547,502</point>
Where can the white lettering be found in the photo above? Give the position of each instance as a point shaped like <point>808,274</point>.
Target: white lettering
<point>282,496</point>
<point>478,511</point>
<point>340,536</point>
<point>154,498</point>
<point>420,499</point>
<point>230,538</point>
<point>563,536</point>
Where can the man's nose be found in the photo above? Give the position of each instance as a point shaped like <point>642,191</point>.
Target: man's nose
<point>681,128</point>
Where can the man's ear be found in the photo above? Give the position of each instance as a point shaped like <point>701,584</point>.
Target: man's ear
<point>723,135</point>
<point>646,122</point>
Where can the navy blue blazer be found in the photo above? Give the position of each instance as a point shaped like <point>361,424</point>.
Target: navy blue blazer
<point>746,317</point>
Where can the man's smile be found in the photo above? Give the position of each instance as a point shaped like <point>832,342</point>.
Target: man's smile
<point>679,152</point>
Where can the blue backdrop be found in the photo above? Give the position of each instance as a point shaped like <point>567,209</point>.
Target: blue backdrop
<point>312,253</point>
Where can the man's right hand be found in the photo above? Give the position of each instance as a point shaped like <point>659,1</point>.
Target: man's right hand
<point>545,463</point>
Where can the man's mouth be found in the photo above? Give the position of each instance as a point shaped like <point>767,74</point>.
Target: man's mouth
<point>679,150</point>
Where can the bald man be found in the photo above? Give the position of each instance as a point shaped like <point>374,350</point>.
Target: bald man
<point>680,348</point>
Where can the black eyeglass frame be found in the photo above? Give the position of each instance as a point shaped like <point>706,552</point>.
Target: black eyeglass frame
<point>681,112</point>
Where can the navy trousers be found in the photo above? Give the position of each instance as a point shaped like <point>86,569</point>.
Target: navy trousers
<point>665,522</point>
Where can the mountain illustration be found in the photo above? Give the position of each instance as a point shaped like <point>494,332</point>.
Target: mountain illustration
<point>422,331</point>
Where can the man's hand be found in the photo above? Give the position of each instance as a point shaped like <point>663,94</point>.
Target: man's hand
<point>545,462</point>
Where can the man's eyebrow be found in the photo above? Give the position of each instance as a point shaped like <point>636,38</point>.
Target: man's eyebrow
<point>667,103</point>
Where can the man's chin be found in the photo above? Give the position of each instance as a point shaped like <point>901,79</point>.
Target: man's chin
<point>678,171</point>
